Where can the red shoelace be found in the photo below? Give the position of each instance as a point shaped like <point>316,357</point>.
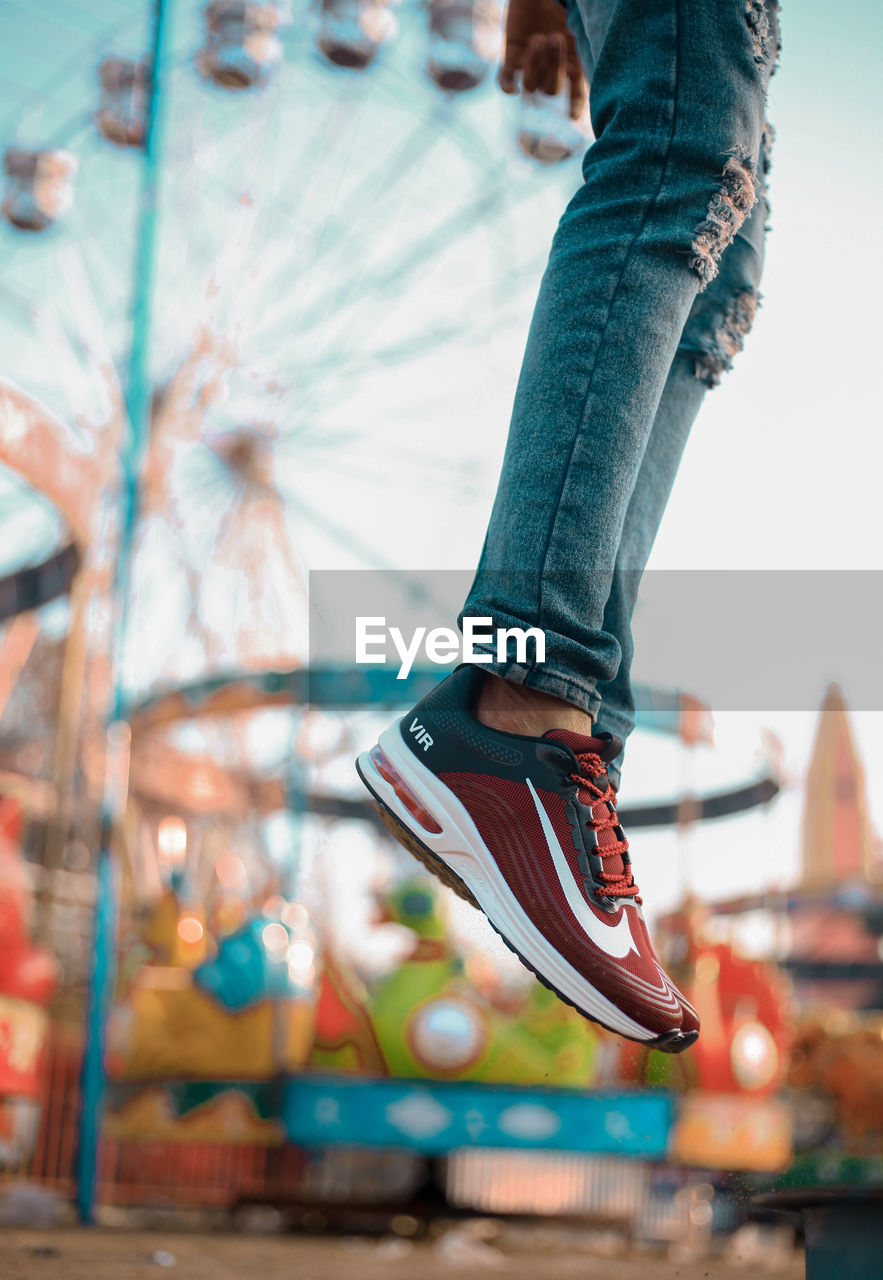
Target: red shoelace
<point>612,842</point>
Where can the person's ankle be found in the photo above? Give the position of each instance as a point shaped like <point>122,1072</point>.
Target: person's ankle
<point>515,708</point>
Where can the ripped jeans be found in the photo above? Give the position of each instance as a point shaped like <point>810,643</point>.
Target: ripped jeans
<point>650,288</point>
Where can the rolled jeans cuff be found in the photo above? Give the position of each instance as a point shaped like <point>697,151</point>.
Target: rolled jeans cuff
<point>560,684</point>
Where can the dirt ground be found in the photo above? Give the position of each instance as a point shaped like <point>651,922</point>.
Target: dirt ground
<point>102,1254</point>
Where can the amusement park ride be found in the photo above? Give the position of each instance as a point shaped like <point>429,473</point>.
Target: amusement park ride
<point>159,730</point>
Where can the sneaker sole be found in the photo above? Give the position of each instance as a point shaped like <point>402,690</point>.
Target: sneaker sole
<point>476,878</point>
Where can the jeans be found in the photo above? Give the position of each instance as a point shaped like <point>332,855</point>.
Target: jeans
<point>650,288</point>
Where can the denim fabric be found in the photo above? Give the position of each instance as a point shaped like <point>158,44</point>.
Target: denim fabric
<point>650,287</point>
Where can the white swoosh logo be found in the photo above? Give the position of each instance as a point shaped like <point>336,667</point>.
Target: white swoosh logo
<point>616,939</point>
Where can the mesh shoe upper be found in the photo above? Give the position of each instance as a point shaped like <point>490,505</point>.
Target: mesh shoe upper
<point>507,818</point>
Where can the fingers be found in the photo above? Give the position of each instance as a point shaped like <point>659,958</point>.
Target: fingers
<point>533,63</point>
<point>540,54</point>
<point>517,26</point>
<point>579,89</point>
<point>545,64</point>
<point>579,93</point>
<point>507,77</point>
<point>556,64</point>
<point>512,63</point>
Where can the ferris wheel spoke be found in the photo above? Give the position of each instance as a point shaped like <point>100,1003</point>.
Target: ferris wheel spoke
<point>429,339</point>
<point>278,318</point>
<point>394,275</point>
<point>83,54</point>
<point>337,532</point>
<point>273,276</point>
<point>475,306</point>
<point>347,451</point>
<point>97,357</point>
<point>359,360</point>
<point>215,266</point>
<point>376,472</point>
<point>69,370</point>
<point>370,197</point>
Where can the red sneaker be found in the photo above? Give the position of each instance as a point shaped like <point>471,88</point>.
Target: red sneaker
<point>526,830</point>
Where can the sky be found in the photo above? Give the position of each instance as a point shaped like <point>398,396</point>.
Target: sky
<point>783,470</point>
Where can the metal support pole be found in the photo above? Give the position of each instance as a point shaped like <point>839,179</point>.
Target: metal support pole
<point>139,392</point>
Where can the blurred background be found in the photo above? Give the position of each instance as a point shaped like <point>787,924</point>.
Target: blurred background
<point>267,274</point>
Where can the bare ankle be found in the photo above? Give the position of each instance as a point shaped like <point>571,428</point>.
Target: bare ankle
<point>515,708</point>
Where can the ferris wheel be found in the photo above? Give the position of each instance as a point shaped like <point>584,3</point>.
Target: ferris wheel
<point>348,239</point>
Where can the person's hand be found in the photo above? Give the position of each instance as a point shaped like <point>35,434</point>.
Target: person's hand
<point>539,48</point>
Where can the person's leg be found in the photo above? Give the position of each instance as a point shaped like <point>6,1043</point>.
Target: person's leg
<point>677,411</point>
<point>522,821</point>
<point>677,102</point>
<point>715,332</point>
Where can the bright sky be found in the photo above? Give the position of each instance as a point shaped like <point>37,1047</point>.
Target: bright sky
<point>784,467</point>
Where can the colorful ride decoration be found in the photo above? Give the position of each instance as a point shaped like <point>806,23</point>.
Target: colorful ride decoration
<point>38,187</point>
<point>427,1019</point>
<point>223,1016</point>
<point>840,1063</point>
<point>242,46</point>
<point>122,110</point>
<point>28,981</point>
<point>731,1115</point>
<point>744,1006</point>
<point>799,1038</point>
<point>464,40</point>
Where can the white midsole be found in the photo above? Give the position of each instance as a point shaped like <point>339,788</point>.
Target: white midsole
<point>460,846</point>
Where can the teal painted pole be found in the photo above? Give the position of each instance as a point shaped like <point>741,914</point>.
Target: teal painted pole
<point>139,394</point>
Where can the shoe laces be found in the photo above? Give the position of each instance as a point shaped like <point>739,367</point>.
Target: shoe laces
<point>599,797</point>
